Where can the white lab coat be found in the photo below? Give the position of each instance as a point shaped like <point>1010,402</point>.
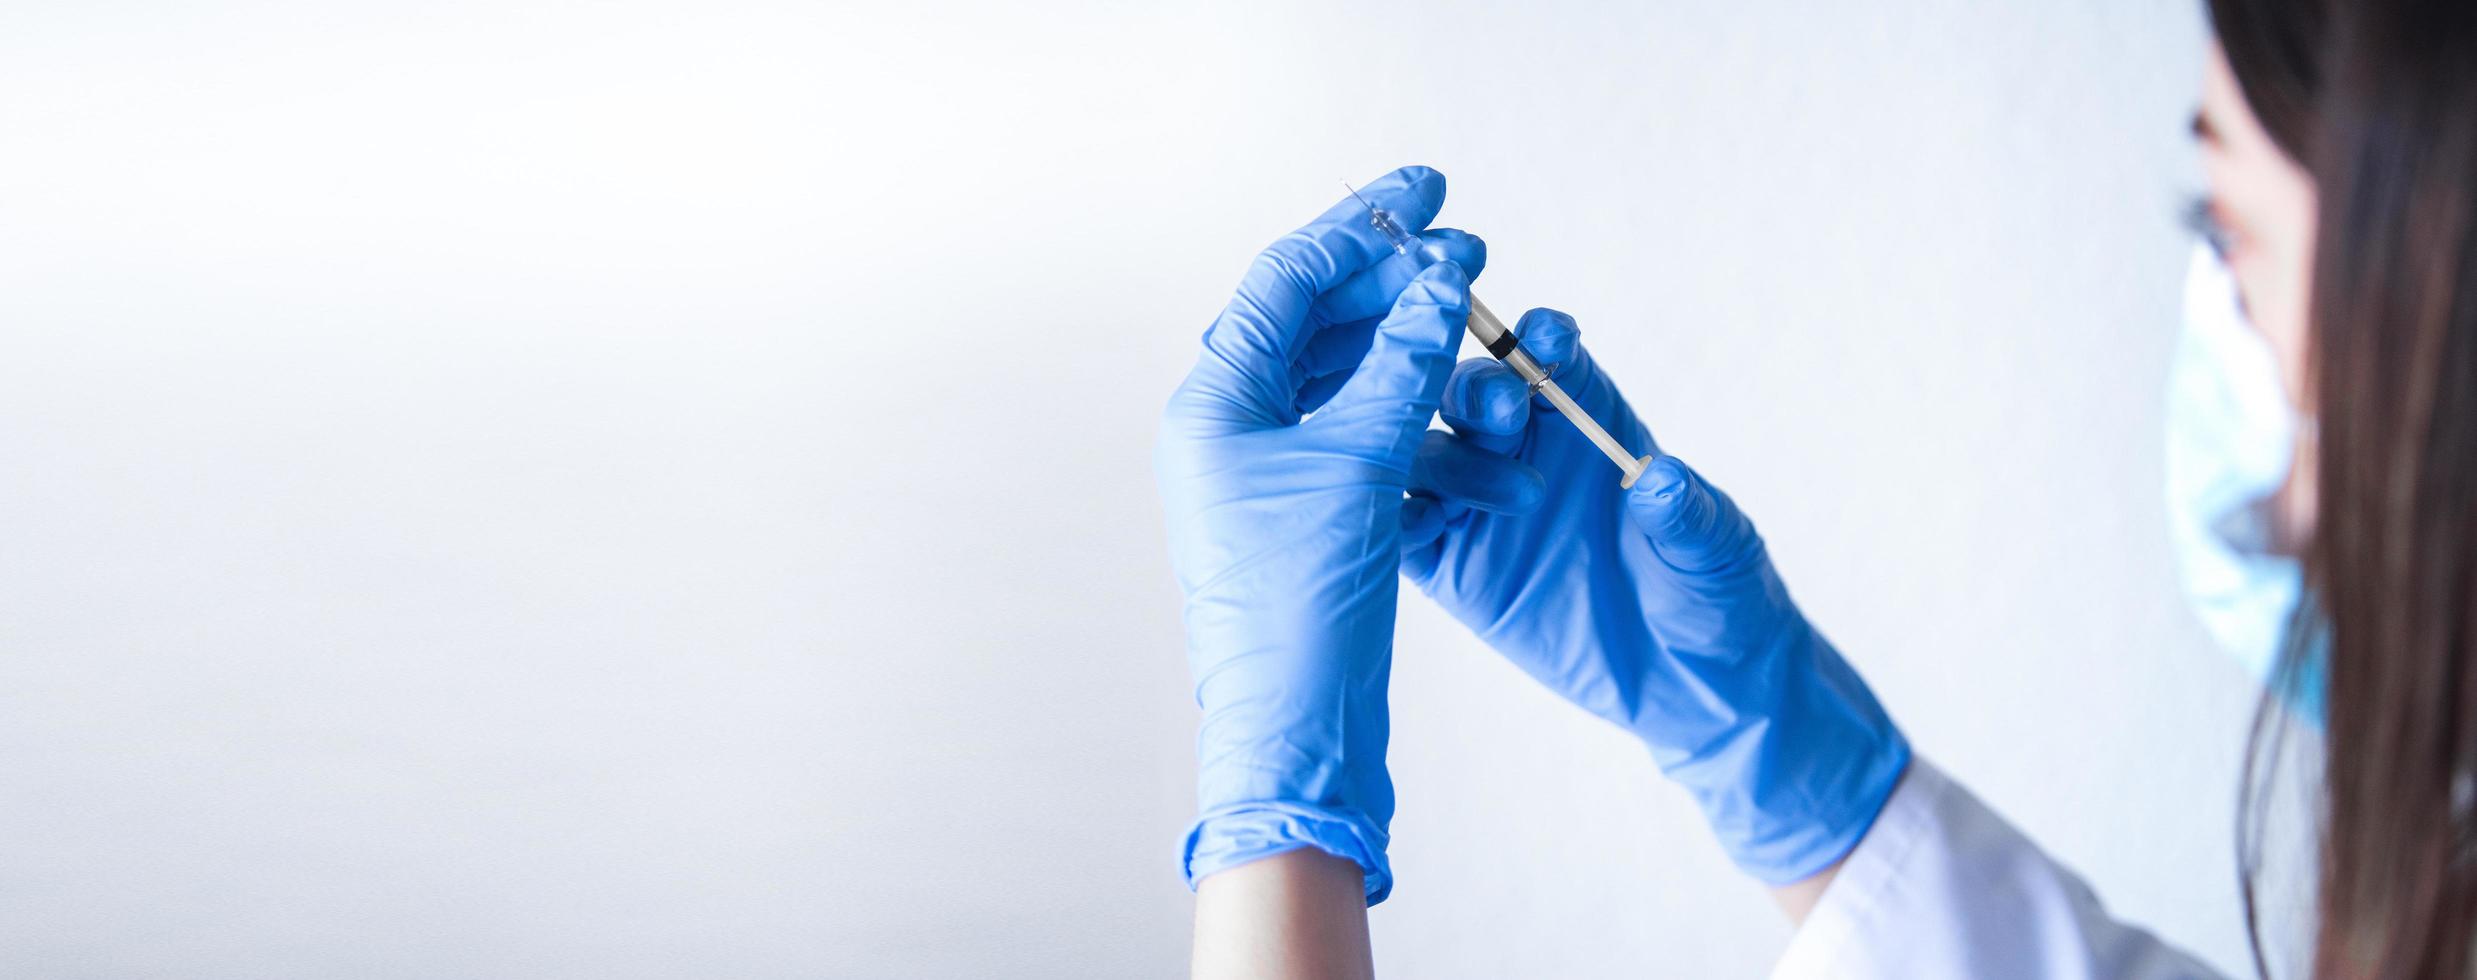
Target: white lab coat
<point>1942,887</point>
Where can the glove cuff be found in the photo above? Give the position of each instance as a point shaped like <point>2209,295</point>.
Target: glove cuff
<point>1231,836</point>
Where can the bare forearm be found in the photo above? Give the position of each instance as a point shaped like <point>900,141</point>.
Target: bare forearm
<point>1798,898</point>
<point>1300,914</point>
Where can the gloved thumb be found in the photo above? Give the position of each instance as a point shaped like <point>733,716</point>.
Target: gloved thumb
<point>1413,351</point>
<point>1693,526</point>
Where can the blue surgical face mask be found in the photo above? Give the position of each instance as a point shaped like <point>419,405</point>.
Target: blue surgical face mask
<point>2231,442</point>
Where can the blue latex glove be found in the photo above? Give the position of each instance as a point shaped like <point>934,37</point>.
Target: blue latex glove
<point>1286,531</point>
<point>1656,609</point>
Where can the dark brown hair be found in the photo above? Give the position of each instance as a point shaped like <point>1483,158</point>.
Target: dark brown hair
<point>2275,47</point>
<point>2378,99</point>
<point>2394,552</point>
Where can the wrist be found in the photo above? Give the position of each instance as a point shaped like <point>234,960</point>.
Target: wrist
<point>1295,914</point>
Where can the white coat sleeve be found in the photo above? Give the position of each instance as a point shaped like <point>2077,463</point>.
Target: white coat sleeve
<point>1942,887</point>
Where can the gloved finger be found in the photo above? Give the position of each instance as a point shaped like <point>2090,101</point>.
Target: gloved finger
<point>1369,293</point>
<point>1394,390</point>
<point>1452,469</point>
<point>1338,346</point>
<point>1423,521</point>
<point>1556,341</point>
<point>1486,403</point>
<point>1693,526</point>
<point>1553,339</point>
<point>1421,554</point>
<point>1315,392</point>
<point>1263,329</point>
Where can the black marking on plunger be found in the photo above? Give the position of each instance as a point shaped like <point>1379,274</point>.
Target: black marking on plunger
<point>1504,346</point>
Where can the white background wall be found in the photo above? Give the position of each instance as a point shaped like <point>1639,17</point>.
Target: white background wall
<point>664,490</point>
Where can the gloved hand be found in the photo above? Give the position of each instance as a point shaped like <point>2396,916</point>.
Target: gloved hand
<point>1285,530</point>
<point>1657,609</point>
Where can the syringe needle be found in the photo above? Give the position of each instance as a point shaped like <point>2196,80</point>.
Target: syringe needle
<point>1505,347</point>
<point>1363,201</point>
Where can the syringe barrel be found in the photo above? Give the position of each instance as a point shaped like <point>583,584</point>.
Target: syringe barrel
<point>1502,345</point>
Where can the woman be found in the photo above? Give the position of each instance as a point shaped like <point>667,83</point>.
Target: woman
<point>2323,485</point>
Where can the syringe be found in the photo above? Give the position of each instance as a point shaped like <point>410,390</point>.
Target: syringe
<point>1505,347</point>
